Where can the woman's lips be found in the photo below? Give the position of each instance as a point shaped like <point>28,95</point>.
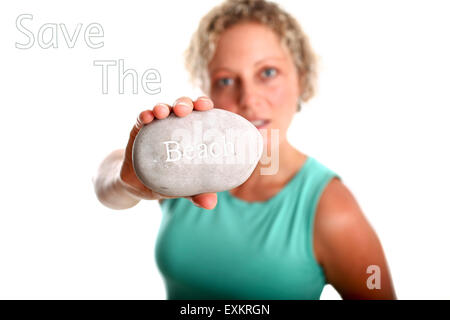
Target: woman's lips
<point>260,123</point>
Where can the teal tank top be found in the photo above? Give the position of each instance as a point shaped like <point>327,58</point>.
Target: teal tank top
<point>245,250</point>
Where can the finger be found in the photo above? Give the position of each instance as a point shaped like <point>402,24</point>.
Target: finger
<point>182,106</point>
<point>203,103</point>
<point>161,110</point>
<point>145,117</point>
<point>205,200</point>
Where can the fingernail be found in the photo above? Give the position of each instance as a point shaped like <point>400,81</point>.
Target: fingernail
<point>206,99</point>
<point>160,104</point>
<point>182,103</point>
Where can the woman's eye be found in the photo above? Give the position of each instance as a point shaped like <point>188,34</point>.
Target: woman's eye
<point>269,72</point>
<point>225,82</point>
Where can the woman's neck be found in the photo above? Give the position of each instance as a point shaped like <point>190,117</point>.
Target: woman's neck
<point>290,161</point>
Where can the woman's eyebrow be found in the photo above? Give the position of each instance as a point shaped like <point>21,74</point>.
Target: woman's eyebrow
<point>220,69</point>
<point>268,58</point>
<point>260,61</point>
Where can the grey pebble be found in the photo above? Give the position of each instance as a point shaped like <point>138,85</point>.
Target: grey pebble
<point>205,151</point>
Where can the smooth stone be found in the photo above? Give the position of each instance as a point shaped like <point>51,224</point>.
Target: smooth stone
<point>205,151</point>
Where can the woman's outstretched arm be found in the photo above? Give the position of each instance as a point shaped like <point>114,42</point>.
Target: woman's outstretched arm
<point>109,187</point>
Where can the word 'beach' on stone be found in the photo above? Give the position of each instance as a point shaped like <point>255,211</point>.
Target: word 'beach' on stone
<point>205,151</point>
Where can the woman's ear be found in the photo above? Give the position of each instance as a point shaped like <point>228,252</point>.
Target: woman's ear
<point>301,77</point>
<point>299,104</point>
<point>301,81</point>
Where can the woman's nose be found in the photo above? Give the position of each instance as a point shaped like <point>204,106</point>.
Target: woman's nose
<point>249,98</point>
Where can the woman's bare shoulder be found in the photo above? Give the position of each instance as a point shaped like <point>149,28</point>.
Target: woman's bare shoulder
<point>336,203</point>
<point>337,212</point>
<point>346,244</point>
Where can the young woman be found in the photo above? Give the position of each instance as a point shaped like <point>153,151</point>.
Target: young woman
<point>279,236</point>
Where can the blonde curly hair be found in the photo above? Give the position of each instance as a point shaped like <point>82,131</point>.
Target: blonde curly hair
<point>203,42</point>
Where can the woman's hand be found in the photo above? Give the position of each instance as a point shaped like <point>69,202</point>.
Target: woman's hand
<point>181,108</point>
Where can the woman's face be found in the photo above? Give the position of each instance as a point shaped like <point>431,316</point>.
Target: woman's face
<point>253,75</point>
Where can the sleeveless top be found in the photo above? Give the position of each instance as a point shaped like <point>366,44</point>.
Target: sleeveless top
<point>245,250</point>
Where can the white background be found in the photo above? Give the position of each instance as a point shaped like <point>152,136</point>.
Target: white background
<point>380,119</point>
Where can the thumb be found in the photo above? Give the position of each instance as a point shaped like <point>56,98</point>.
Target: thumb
<point>205,200</point>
